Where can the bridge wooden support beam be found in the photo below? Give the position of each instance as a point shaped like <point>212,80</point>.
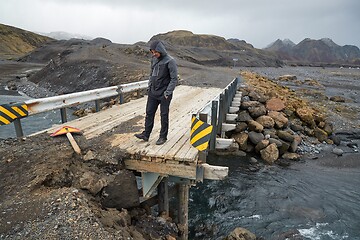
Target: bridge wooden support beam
<point>210,172</point>
<point>163,198</point>
<point>183,210</point>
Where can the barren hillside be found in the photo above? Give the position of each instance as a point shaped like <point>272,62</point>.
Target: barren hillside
<point>15,42</point>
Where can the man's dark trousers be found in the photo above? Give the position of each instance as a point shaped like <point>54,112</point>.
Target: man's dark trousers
<point>151,107</point>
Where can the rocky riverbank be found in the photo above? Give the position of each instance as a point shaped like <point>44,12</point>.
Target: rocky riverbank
<point>272,121</point>
<point>333,93</point>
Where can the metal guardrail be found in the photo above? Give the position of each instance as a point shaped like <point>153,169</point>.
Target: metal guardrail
<point>215,111</point>
<point>35,106</point>
<point>68,100</point>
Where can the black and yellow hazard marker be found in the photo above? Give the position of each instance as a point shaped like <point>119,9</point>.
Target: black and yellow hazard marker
<point>10,112</point>
<point>200,134</point>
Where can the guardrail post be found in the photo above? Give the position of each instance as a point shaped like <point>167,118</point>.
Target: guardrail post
<point>221,110</point>
<point>214,110</point>
<point>63,115</point>
<point>18,128</point>
<point>97,105</point>
<point>227,100</point>
<point>121,98</point>
<point>232,91</point>
<point>138,93</point>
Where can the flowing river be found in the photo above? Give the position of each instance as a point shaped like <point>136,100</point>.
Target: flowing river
<point>307,199</point>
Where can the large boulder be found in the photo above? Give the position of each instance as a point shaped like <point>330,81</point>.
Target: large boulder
<point>122,192</point>
<point>328,128</point>
<point>307,116</point>
<point>255,137</point>
<point>257,111</point>
<point>244,116</point>
<point>270,154</point>
<point>254,96</point>
<point>266,121</point>
<point>261,145</point>
<point>240,127</point>
<point>286,136</point>
<point>295,144</point>
<point>284,147</point>
<point>240,234</point>
<point>249,104</point>
<point>275,104</point>
<point>241,139</point>
<point>93,182</point>
<point>296,127</point>
<point>320,134</point>
<point>276,141</point>
<point>255,126</point>
<point>280,120</point>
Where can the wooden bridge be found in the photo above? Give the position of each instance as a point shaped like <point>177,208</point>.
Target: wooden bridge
<point>176,160</point>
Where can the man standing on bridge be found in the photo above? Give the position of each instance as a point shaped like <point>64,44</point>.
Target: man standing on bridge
<point>162,82</point>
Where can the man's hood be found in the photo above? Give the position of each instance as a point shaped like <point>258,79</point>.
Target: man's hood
<point>159,47</point>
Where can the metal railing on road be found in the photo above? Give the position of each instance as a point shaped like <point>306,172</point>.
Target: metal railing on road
<point>10,112</point>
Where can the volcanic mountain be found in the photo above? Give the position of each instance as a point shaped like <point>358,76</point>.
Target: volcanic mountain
<point>315,52</point>
<point>216,51</point>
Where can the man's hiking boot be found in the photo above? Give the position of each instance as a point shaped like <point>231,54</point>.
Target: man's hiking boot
<point>142,136</point>
<point>161,141</point>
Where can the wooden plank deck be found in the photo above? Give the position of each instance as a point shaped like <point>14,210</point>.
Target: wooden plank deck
<point>186,101</point>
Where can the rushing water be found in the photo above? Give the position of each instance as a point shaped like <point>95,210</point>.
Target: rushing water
<point>315,201</point>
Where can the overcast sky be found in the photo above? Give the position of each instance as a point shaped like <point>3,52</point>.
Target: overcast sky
<point>258,22</point>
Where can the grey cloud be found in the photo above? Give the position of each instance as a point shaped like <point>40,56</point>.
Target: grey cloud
<point>259,22</point>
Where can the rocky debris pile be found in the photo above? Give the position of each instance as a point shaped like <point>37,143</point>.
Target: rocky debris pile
<point>272,121</point>
<point>60,194</point>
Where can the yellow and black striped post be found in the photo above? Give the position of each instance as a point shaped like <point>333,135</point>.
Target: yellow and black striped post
<point>11,112</point>
<point>200,134</point>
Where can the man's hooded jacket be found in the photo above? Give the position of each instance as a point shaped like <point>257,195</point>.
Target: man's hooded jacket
<point>163,76</point>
